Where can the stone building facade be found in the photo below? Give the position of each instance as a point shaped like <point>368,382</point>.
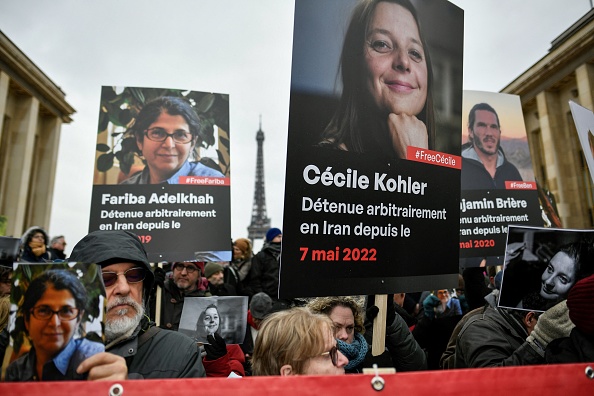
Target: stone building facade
<point>565,73</point>
<point>32,111</point>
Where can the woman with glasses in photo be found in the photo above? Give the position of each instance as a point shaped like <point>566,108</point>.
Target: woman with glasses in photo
<point>167,131</point>
<point>52,310</point>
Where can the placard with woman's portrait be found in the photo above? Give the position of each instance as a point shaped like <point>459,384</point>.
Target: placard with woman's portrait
<point>56,320</point>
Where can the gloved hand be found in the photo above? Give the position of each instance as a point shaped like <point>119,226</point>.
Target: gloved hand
<point>372,310</point>
<point>217,348</point>
<point>159,276</point>
<point>552,324</point>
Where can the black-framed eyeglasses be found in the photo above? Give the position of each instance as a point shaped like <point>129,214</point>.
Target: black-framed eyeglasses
<point>44,312</point>
<point>190,269</point>
<point>160,135</point>
<point>132,275</point>
<point>333,352</point>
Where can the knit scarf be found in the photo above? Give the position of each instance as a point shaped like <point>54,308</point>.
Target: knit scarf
<point>355,351</point>
<point>38,248</point>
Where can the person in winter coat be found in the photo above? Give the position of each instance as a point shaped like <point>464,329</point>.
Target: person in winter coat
<point>242,262</point>
<point>353,334</point>
<point>265,269</point>
<point>579,346</point>
<point>135,347</point>
<point>220,359</point>
<point>34,246</point>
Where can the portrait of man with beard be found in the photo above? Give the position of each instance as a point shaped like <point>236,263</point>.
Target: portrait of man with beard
<point>484,165</point>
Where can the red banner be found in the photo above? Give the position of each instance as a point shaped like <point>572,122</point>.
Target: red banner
<point>568,379</point>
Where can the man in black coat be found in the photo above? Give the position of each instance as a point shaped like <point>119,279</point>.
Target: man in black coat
<point>265,269</point>
<point>135,348</point>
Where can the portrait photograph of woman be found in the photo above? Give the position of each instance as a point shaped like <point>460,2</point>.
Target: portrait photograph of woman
<point>154,136</point>
<point>56,321</point>
<point>389,78</point>
<point>204,316</point>
<point>376,96</point>
<point>543,264</point>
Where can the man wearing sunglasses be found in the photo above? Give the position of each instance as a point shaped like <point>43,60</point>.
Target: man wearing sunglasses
<point>148,351</point>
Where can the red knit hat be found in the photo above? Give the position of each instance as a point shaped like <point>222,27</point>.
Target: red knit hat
<point>579,302</point>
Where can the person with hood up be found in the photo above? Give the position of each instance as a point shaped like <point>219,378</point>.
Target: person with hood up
<point>149,351</point>
<point>34,246</point>
<point>265,269</point>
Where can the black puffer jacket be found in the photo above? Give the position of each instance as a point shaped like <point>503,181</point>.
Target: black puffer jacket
<point>264,272</point>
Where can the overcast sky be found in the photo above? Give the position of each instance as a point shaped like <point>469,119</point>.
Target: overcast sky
<point>238,47</point>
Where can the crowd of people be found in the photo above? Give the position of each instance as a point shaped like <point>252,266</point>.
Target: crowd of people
<point>441,329</point>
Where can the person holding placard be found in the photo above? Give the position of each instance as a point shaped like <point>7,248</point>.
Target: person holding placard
<point>387,100</point>
<point>149,351</point>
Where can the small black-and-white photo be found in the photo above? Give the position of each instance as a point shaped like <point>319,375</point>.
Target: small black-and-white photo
<point>542,264</point>
<point>204,316</point>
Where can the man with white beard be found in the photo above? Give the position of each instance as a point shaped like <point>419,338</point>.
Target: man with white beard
<point>131,339</point>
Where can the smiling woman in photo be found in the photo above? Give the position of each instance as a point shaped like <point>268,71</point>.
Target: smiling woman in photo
<point>570,264</point>
<point>53,308</point>
<point>167,130</point>
<point>208,323</point>
<point>387,102</point>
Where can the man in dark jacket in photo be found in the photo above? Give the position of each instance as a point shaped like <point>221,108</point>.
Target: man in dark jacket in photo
<point>484,166</point>
<point>132,340</point>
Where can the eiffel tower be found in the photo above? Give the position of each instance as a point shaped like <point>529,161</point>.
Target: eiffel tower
<point>260,222</point>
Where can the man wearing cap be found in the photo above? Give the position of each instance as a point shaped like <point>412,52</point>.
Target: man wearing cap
<point>149,352</point>
<point>260,307</point>
<point>214,273</point>
<point>184,282</point>
<point>265,268</point>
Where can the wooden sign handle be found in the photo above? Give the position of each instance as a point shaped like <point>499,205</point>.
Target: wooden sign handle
<point>158,301</point>
<point>378,345</point>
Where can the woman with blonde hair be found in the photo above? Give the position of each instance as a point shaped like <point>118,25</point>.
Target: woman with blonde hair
<point>297,342</point>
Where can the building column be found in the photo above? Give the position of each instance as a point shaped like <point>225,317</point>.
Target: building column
<point>4,81</point>
<point>560,166</point>
<point>584,76</point>
<point>23,128</point>
<point>44,173</point>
